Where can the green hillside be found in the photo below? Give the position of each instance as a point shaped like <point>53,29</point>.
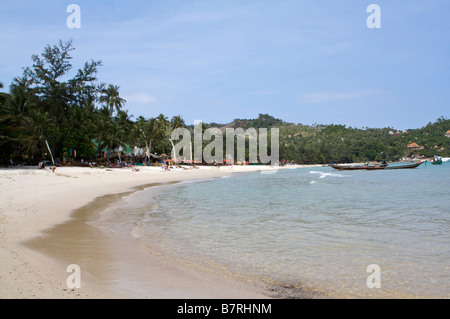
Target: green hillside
<point>48,104</point>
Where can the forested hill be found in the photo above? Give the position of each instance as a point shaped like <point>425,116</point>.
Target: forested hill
<point>341,144</point>
<point>53,107</point>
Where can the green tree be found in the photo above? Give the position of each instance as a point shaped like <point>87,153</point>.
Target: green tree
<point>75,140</point>
<point>123,120</point>
<point>177,122</point>
<point>111,98</point>
<point>37,127</point>
<point>56,97</point>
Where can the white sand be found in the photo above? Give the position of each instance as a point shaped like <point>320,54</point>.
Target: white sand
<point>33,200</point>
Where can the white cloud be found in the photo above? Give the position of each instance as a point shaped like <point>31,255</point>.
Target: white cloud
<point>141,98</point>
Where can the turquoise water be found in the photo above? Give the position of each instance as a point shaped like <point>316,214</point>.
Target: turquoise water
<point>312,228</point>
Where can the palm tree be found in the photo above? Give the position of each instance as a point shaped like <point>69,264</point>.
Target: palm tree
<point>114,137</point>
<point>82,118</point>
<point>110,96</point>
<point>103,122</point>
<point>123,119</point>
<point>37,126</point>
<point>19,101</point>
<point>149,132</point>
<point>177,122</point>
<point>136,131</point>
<point>162,124</point>
<point>161,132</point>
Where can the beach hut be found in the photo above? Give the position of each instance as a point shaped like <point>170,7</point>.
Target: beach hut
<point>415,146</point>
<point>105,152</point>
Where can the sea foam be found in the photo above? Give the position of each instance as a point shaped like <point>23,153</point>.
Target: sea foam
<point>324,174</point>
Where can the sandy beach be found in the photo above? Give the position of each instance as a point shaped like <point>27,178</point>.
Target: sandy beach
<point>44,227</point>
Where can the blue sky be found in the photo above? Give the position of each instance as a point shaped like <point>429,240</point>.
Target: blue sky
<point>310,61</point>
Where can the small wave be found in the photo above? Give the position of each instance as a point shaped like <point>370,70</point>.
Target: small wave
<point>140,225</point>
<point>323,174</point>
<point>138,231</point>
<point>200,180</point>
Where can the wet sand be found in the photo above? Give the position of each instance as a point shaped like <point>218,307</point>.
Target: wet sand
<point>115,262</point>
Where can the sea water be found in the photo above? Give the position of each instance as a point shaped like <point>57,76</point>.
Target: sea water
<point>311,231</point>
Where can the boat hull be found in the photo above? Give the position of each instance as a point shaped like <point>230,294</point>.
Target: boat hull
<point>436,162</point>
<point>374,167</point>
<point>413,165</point>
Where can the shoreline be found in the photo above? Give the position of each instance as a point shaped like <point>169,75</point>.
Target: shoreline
<point>37,202</point>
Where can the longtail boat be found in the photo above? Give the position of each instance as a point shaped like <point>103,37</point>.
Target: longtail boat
<point>341,167</point>
<point>410,165</point>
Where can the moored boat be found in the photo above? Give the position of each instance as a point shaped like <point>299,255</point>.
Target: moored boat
<point>409,165</point>
<point>375,166</point>
<point>344,167</point>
